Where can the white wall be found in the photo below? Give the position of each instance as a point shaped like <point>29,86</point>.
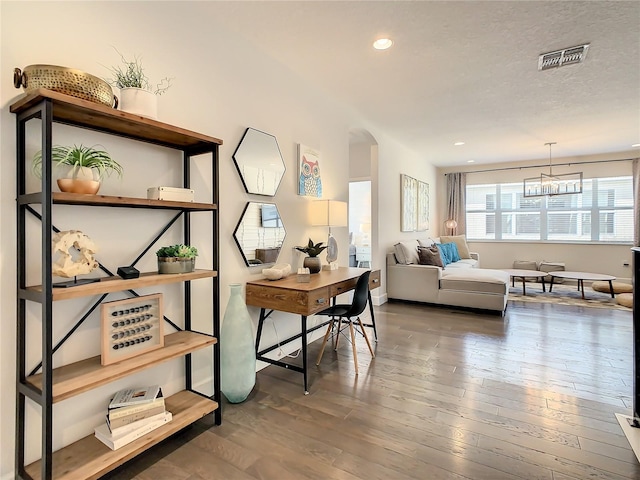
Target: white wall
<point>394,160</point>
<point>379,157</point>
<point>600,258</point>
<point>222,85</point>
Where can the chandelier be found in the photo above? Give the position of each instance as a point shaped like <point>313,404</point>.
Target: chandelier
<point>562,184</point>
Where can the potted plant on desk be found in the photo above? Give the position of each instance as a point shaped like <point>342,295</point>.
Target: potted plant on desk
<point>312,262</point>
<point>178,258</point>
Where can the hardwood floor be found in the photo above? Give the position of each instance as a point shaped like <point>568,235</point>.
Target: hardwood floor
<point>450,395</point>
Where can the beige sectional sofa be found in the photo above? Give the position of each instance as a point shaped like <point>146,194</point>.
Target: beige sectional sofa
<point>461,284</point>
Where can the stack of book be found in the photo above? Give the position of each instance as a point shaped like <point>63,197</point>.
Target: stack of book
<point>133,413</point>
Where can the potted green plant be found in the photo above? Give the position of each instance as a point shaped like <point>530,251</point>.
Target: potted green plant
<point>87,167</point>
<point>137,94</point>
<point>312,262</point>
<point>177,258</point>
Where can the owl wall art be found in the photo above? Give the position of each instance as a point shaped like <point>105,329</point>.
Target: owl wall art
<point>310,184</point>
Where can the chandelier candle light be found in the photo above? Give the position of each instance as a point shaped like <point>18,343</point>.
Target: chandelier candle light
<point>329,213</point>
<point>562,184</point>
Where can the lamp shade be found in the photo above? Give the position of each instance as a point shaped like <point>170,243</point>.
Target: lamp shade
<point>451,224</point>
<point>328,213</point>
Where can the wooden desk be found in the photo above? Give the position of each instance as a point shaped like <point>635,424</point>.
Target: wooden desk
<point>304,299</point>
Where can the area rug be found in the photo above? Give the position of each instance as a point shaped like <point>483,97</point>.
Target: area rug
<point>564,295</point>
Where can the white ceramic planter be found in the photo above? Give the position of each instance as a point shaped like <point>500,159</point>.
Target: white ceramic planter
<point>139,101</point>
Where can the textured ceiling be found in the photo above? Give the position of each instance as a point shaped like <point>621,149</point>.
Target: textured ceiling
<point>464,71</point>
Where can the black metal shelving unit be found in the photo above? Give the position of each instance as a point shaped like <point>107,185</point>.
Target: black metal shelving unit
<point>88,458</point>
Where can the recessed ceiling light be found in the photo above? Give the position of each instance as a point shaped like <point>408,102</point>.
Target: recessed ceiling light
<point>457,144</point>
<point>471,161</point>
<point>382,43</point>
<point>636,145</point>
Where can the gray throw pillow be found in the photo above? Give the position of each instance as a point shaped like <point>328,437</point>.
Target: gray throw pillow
<point>430,256</point>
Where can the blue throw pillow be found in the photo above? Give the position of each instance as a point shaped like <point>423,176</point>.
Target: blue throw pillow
<point>443,254</point>
<point>449,253</point>
<point>453,251</point>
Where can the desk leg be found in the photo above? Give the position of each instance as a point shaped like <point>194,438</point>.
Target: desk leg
<point>543,289</point>
<point>304,352</point>
<point>373,317</point>
<point>524,288</point>
<point>581,287</point>
<point>551,285</point>
<point>259,333</point>
<point>611,289</point>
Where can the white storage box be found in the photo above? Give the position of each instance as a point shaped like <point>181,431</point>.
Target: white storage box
<point>170,193</point>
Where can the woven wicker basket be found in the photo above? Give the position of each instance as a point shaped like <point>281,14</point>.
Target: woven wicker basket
<point>65,80</point>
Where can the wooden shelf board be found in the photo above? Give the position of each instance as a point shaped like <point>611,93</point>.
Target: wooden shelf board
<point>94,116</point>
<point>118,284</point>
<point>89,458</point>
<point>79,377</point>
<point>133,202</point>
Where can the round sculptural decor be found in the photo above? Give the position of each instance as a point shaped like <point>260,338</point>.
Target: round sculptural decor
<point>71,264</point>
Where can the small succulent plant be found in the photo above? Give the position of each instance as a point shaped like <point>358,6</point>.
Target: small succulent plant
<point>313,250</point>
<point>179,250</point>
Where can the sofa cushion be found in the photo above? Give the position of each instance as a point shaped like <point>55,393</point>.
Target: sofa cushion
<point>461,243</point>
<point>407,252</point>
<point>475,280</point>
<point>448,252</point>
<point>464,263</point>
<point>426,242</point>
<point>430,256</point>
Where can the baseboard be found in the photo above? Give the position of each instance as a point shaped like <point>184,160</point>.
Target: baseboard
<point>632,433</point>
<point>378,300</point>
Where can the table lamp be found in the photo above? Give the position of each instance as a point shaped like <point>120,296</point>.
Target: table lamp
<point>329,213</point>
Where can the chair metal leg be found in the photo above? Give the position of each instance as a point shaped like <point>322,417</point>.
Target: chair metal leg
<point>324,342</point>
<point>366,337</point>
<point>353,345</point>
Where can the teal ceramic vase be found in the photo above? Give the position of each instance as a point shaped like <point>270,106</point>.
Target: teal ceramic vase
<point>237,349</point>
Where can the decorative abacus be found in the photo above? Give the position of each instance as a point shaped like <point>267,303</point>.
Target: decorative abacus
<point>131,327</point>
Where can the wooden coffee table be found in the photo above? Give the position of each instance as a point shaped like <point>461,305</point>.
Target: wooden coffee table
<point>581,277</point>
<point>521,273</point>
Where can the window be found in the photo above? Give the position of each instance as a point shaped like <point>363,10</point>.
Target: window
<point>603,212</point>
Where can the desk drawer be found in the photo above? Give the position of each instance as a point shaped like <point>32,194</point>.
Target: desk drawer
<point>318,300</point>
<point>292,301</point>
<point>374,279</point>
<point>342,287</point>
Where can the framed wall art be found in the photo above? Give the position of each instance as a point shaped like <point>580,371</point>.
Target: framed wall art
<point>131,327</point>
<point>408,203</point>
<point>310,181</point>
<point>423,207</point>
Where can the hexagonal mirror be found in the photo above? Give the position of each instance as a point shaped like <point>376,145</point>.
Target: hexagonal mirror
<point>259,162</point>
<point>260,233</point>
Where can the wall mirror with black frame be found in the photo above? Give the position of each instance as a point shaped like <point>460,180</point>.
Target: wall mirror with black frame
<point>259,162</point>
<point>260,233</point>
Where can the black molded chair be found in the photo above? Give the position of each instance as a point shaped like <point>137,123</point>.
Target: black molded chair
<point>343,315</point>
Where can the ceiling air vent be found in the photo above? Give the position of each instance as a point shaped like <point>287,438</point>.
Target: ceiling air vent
<point>560,58</point>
